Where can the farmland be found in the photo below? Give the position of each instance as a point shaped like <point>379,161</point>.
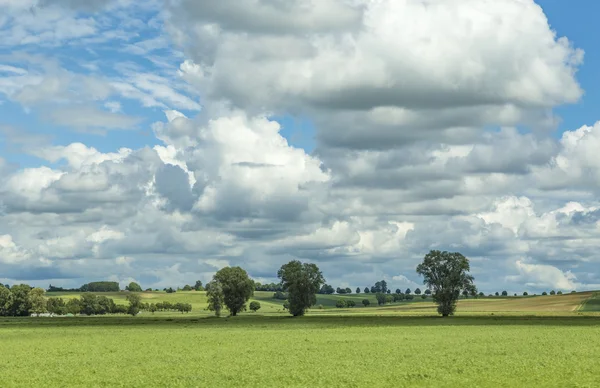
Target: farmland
<point>512,341</point>
<point>332,350</point>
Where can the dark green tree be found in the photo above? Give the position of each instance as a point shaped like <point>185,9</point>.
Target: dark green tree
<point>20,300</point>
<point>367,290</point>
<point>301,281</point>
<point>358,290</point>
<point>37,302</point>
<point>134,287</point>
<point>326,289</point>
<point>237,288</point>
<point>198,286</point>
<point>6,301</point>
<point>254,306</point>
<point>525,293</point>
<point>447,274</point>
<point>552,292</point>
<point>134,304</point>
<point>216,299</point>
<point>380,296</point>
<point>504,293</point>
<point>408,291</point>
<point>366,302</point>
<point>341,303</point>
<point>398,291</point>
<point>187,287</point>
<point>418,291</point>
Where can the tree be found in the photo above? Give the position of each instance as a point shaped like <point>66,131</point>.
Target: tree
<point>341,303</point>
<point>237,288</point>
<point>134,304</point>
<point>525,293</point>
<point>152,308</point>
<point>6,300</point>
<point>544,293</point>
<point>447,274</point>
<point>418,291</point>
<point>37,302</point>
<point>552,292</point>
<point>504,293</point>
<point>348,290</point>
<point>366,302</point>
<point>350,303</point>
<point>301,281</point>
<point>481,294</point>
<point>326,289</point>
<point>280,295</point>
<point>398,291</point>
<point>367,290</point>
<point>559,293</point>
<point>187,287</point>
<point>340,290</point>
<point>380,296</point>
<point>134,287</point>
<point>388,298</point>
<point>73,306</point>
<point>214,294</point>
<point>373,290</point>
<point>254,306</point>
<point>100,287</point>
<point>358,290</point>
<point>465,293</point>
<point>198,286</point>
<point>20,300</point>
<point>497,293</point>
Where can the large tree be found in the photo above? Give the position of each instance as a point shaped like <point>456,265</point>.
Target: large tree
<point>6,300</point>
<point>37,302</point>
<point>135,302</point>
<point>237,288</point>
<point>302,282</point>
<point>20,304</point>
<point>447,274</point>
<point>214,294</point>
<point>134,287</point>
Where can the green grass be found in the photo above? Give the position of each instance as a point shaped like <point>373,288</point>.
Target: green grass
<point>592,304</point>
<point>326,350</point>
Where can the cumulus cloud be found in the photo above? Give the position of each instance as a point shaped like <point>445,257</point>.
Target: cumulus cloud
<point>430,130</point>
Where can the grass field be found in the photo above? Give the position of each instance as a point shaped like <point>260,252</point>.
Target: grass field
<point>549,341</point>
<point>349,351</point>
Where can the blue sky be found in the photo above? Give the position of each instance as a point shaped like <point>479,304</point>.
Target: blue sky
<point>138,141</point>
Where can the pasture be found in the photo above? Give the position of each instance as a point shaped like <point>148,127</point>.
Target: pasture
<point>321,350</point>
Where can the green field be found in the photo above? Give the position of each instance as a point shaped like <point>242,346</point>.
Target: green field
<point>264,351</point>
<point>549,341</point>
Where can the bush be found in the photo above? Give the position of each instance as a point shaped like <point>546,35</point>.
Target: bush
<point>254,306</point>
<point>423,296</point>
<point>280,295</point>
<point>320,307</point>
<point>350,303</point>
<point>340,304</point>
<point>366,302</point>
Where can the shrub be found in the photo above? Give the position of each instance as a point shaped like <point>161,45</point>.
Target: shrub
<point>340,304</point>
<point>350,303</point>
<point>254,306</point>
<point>366,302</point>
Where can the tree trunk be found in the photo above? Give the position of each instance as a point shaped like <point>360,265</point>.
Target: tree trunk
<point>444,315</point>
<point>233,313</point>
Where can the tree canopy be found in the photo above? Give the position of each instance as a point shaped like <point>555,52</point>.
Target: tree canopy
<point>214,294</point>
<point>134,287</point>
<point>302,281</point>
<point>237,288</point>
<point>447,274</point>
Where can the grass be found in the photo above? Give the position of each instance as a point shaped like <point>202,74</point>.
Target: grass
<point>318,350</point>
<point>592,304</point>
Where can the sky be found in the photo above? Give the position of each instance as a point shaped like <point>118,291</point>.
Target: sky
<point>160,141</point>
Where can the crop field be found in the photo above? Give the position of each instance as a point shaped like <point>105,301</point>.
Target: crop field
<point>272,351</point>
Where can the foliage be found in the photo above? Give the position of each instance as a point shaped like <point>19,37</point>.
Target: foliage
<point>408,291</point>
<point>341,303</point>
<point>198,286</point>
<point>380,296</point>
<point>134,304</point>
<point>280,295</point>
<point>101,287</point>
<point>37,302</point>
<point>187,287</point>
<point>254,306</point>
<point>326,289</point>
<point>559,293</point>
<point>367,290</point>
<point>302,282</point>
<point>216,299</point>
<point>358,290</point>
<point>428,292</point>
<point>544,293</point>
<point>552,292</point>
<point>237,288</point>
<point>504,293</point>
<point>447,274</point>
<point>20,300</point>
<point>418,291</point>
<point>366,302</point>
<point>525,293</point>
<point>134,287</point>
<point>6,300</point>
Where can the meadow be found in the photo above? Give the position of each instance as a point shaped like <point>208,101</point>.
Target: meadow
<point>548,341</point>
